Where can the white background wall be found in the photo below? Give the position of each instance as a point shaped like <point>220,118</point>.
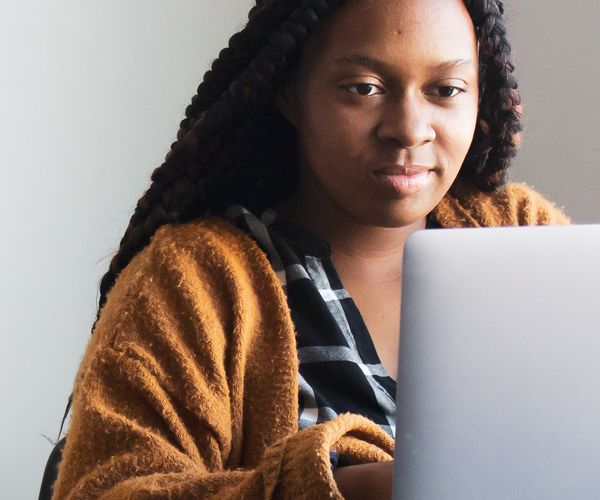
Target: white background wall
<point>91,95</point>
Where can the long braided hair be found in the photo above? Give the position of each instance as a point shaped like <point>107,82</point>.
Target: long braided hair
<point>233,146</point>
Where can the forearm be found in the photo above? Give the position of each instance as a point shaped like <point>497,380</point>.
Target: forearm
<point>373,480</point>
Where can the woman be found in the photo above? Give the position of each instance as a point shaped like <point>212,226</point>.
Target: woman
<point>322,137</point>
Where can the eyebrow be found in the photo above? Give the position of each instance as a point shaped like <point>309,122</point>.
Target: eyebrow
<point>380,66</point>
<point>360,60</point>
<point>455,63</point>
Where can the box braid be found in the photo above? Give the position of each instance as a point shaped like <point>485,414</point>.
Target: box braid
<point>199,173</point>
<point>498,133</point>
<point>233,146</point>
<point>241,49</point>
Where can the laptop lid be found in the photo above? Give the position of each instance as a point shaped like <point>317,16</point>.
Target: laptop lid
<point>498,391</point>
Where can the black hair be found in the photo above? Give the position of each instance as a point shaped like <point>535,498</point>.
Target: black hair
<point>233,145</point>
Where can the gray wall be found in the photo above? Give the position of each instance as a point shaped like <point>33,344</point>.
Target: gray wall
<point>556,48</point>
<point>91,97</point>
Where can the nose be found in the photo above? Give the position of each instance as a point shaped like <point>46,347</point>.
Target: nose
<point>406,122</point>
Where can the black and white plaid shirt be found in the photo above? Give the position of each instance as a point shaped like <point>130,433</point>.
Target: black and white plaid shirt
<point>339,370</point>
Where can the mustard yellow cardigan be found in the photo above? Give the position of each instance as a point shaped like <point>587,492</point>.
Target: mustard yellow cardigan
<point>188,387</point>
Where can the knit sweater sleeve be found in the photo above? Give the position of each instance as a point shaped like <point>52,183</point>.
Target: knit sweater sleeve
<point>188,387</point>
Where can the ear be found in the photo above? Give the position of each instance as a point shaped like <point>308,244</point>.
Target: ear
<point>285,99</point>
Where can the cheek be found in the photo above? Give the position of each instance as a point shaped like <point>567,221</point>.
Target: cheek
<point>332,136</point>
<point>456,135</point>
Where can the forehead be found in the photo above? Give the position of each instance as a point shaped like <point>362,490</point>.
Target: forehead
<point>428,31</point>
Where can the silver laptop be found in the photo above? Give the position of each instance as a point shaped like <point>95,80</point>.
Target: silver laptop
<point>499,372</point>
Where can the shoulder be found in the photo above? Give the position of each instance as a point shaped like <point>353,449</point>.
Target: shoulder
<point>204,237</point>
<point>515,204</point>
<point>528,207</point>
<point>208,243</point>
<point>186,266</point>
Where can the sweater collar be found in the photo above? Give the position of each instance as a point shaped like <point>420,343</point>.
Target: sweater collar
<point>464,206</point>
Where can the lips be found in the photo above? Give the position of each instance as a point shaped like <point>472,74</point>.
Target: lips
<point>404,180</point>
<point>408,170</point>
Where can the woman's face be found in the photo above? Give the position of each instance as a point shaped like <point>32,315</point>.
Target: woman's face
<point>385,107</point>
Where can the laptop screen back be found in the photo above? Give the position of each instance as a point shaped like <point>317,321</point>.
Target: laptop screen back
<point>499,369</point>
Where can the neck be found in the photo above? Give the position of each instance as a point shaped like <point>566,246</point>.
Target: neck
<point>374,251</point>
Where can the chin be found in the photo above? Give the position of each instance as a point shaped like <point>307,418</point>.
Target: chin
<point>392,219</point>
<point>401,221</point>
<point>400,214</point>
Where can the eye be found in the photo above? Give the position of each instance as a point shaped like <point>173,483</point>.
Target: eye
<point>363,89</point>
<point>449,91</point>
